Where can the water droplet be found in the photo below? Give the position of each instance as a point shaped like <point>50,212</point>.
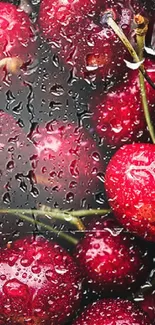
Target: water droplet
<point>74,168</point>
<point>69,197</point>
<point>25,262</point>
<point>3,277</point>
<point>15,289</point>
<point>57,90</point>
<point>23,186</point>
<point>7,198</point>
<point>10,165</point>
<point>55,59</point>
<point>34,191</point>
<point>24,275</point>
<point>96,156</point>
<point>49,275</point>
<point>18,108</point>
<point>73,185</point>
<point>36,269</point>
<point>60,270</point>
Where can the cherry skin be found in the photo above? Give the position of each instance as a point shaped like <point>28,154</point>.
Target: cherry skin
<point>17,37</point>
<point>130,188</point>
<point>67,160</point>
<point>108,312</point>
<point>110,259</point>
<point>89,48</point>
<point>148,306</point>
<point>118,115</point>
<point>39,282</point>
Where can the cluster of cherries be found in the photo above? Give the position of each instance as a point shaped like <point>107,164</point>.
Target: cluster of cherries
<point>41,283</point>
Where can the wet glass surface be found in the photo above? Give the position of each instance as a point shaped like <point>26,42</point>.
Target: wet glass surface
<point>59,129</point>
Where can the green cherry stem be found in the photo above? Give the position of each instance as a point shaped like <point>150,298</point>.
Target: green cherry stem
<point>61,234</point>
<point>78,213</point>
<point>85,213</point>
<point>53,213</point>
<point>141,30</point>
<point>108,19</point>
<point>119,32</point>
<point>72,217</point>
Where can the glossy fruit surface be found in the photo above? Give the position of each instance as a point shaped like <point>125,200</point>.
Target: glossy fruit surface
<point>110,259</point>
<point>39,282</point>
<point>84,45</point>
<point>67,160</point>
<point>17,36</point>
<point>118,115</point>
<point>109,312</point>
<point>130,187</point>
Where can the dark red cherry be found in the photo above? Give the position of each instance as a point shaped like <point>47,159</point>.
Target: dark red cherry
<point>85,45</point>
<point>112,312</point>
<point>110,259</point>
<point>39,282</point>
<point>118,115</point>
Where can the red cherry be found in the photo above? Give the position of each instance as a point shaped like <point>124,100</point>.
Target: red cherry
<point>17,36</point>
<point>85,46</point>
<point>148,306</point>
<point>62,13</point>
<point>38,282</point>
<point>130,187</point>
<point>110,259</point>
<point>67,160</point>
<point>118,115</point>
<point>109,312</point>
<point>62,17</point>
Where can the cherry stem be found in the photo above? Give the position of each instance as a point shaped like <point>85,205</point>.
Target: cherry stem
<point>71,217</point>
<point>61,234</point>
<point>108,19</point>
<point>142,24</point>
<point>53,213</point>
<point>84,213</point>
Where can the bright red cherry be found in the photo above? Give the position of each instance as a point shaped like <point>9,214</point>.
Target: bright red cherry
<point>118,115</point>
<point>67,161</point>
<point>110,259</point>
<point>85,46</point>
<point>130,188</point>
<point>39,283</point>
<point>17,37</point>
<point>112,312</point>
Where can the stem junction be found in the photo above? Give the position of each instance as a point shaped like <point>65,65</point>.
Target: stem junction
<point>108,18</point>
